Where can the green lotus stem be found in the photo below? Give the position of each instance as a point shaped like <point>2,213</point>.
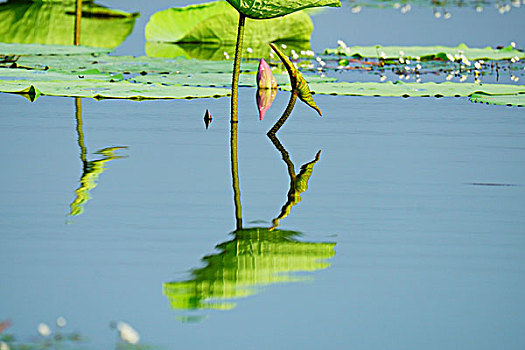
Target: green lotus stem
<point>286,114</point>
<point>80,134</point>
<point>78,16</point>
<point>237,68</point>
<point>235,177</point>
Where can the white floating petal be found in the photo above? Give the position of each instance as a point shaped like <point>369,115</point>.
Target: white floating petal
<point>128,333</point>
<point>44,330</point>
<point>61,322</point>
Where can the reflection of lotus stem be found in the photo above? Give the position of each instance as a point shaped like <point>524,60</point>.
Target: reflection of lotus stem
<point>78,16</point>
<point>284,154</point>
<point>235,177</point>
<point>286,113</point>
<point>236,68</point>
<point>80,134</point>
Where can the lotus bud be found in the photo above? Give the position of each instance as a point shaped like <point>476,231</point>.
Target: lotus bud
<point>265,78</point>
<point>265,99</point>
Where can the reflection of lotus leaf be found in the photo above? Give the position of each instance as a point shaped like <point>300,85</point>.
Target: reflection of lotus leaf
<point>301,182</point>
<point>216,22</point>
<point>53,23</point>
<point>210,51</point>
<point>91,173</point>
<point>254,258</point>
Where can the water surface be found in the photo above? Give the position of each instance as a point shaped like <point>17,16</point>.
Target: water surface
<point>420,202</point>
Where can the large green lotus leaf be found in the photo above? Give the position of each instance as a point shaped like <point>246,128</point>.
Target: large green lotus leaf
<point>100,89</point>
<point>505,100</point>
<point>53,23</point>
<point>447,89</point>
<point>427,52</point>
<point>39,49</point>
<point>262,9</point>
<point>216,22</point>
<point>211,51</point>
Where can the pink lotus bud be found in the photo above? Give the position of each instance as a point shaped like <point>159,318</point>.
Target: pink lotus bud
<point>265,99</point>
<point>265,78</point>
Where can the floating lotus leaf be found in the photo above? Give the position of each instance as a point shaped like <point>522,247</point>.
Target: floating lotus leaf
<point>216,22</point>
<point>53,23</point>
<point>506,100</point>
<point>262,9</point>
<point>120,64</point>
<point>448,89</point>
<point>100,89</point>
<point>38,49</point>
<point>216,79</point>
<point>428,52</point>
<point>296,79</point>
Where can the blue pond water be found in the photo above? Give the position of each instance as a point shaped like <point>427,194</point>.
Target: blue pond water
<point>424,199</point>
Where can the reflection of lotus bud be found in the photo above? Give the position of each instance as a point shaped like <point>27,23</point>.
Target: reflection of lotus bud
<point>265,78</point>
<point>265,99</point>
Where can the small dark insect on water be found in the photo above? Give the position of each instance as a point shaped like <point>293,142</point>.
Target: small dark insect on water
<point>207,119</point>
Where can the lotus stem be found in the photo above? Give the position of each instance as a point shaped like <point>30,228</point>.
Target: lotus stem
<point>78,16</point>
<point>286,114</point>
<point>237,68</point>
<point>235,177</point>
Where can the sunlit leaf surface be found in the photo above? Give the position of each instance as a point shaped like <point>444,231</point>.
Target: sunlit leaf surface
<point>216,22</point>
<point>261,9</point>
